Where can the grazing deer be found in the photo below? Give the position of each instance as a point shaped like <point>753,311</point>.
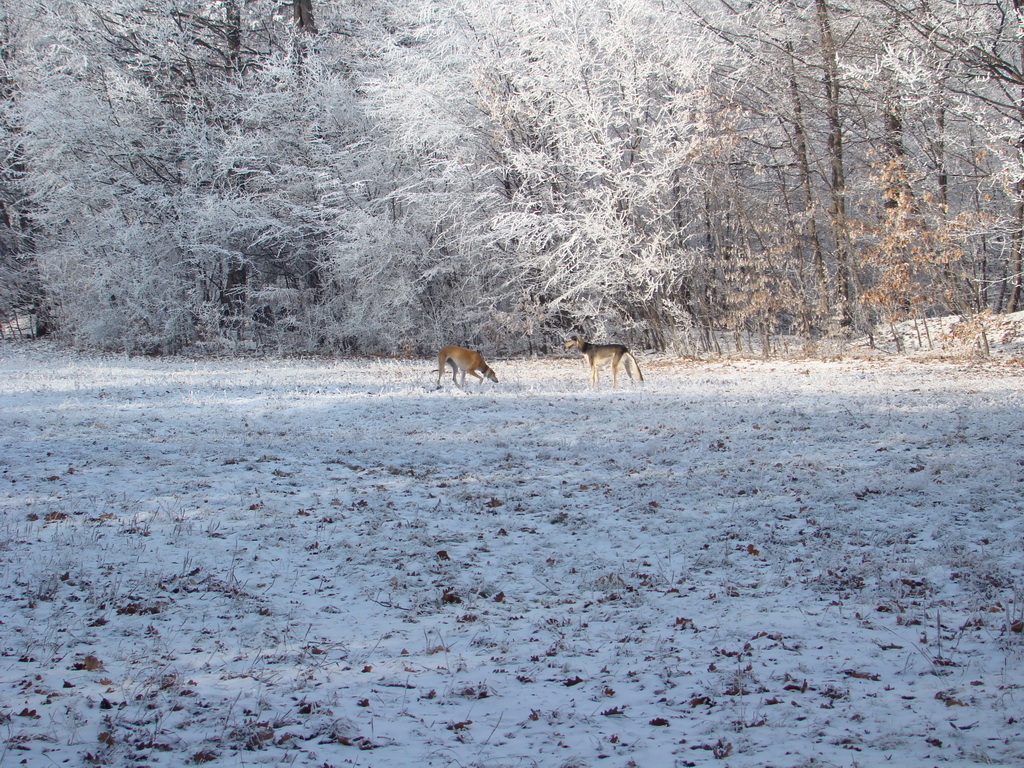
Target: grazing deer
<point>463,360</point>
<point>599,355</point>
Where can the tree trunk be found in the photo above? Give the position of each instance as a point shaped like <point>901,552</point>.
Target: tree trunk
<point>1016,261</point>
<point>303,10</point>
<point>843,256</point>
<point>804,164</point>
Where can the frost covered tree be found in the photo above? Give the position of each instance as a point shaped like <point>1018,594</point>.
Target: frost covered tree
<point>409,270</point>
<point>21,308</point>
<point>651,169</point>
<point>546,151</point>
<point>976,52</point>
<point>603,125</point>
<point>184,159</point>
<point>391,176</point>
<point>866,179</point>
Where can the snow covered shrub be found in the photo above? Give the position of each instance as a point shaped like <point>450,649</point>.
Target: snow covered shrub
<point>122,302</point>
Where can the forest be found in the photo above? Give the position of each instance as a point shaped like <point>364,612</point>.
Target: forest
<point>386,176</point>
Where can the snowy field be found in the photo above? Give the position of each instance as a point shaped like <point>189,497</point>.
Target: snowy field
<point>330,563</point>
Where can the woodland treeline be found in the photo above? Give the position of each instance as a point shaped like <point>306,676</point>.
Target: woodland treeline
<point>391,175</point>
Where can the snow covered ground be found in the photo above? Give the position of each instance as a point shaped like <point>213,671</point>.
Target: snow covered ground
<point>330,563</point>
